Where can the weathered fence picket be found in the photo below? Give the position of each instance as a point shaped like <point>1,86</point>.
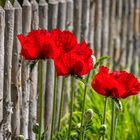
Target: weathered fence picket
<point>91,24</point>
<point>26,27</point>
<point>52,23</point>
<point>16,72</point>
<point>122,59</point>
<point>115,31</point>
<point>130,35</point>
<point>67,81</point>
<point>8,42</point>
<point>33,77</point>
<point>43,24</point>
<point>61,26</point>
<point>2,26</point>
<point>77,18</point>
<point>105,29</point>
<point>85,20</point>
<point>98,28</point>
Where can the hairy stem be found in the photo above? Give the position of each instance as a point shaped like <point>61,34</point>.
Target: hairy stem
<point>71,107</point>
<point>54,107</point>
<point>112,136</point>
<point>61,102</point>
<point>82,134</point>
<point>40,97</point>
<point>104,116</point>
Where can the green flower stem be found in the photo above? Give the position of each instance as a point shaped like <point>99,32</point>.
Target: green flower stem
<point>71,106</point>
<point>112,135</point>
<point>82,134</point>
<point>61,102</point>
<point>104,116</point>
<point>115,123</point>
<point>99,137</point>
<point>40,97</point>
<point>54,107</point>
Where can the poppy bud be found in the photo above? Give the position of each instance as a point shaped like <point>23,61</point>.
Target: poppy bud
<point>36,128</point>
<point>94,58</point>
<point>20,137</point>
<point>102,130</point>
<point>78,125</point>
<point>88,115</point>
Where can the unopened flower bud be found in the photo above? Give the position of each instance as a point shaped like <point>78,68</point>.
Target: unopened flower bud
<point>78,125</point>
<point>102,130</point>
<point>88,115</point>
<point>94,59</point>
<point>36,128</point>
<point>20,137</point>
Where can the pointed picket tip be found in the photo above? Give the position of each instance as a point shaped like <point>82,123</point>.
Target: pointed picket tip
<point>16,5</point>
<point>26,3</point>
<point>42,2</point>
<point>62,1</point>
<point>53,1</point>
<point>34,2</point>
<point>1,9</point>
<point>8,5</point>
<point>70,1</point>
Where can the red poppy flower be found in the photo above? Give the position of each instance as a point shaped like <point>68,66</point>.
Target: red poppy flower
<point>129,81</point>
<point>74,59</point>
<point>64,40</point>
<point>105,84</point>
<point>38,44</point>
<point>115,84</point>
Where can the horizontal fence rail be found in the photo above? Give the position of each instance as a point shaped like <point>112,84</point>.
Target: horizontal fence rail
<point>110,27</point>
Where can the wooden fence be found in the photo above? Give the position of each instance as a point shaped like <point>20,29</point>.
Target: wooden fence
<point>110,27</point>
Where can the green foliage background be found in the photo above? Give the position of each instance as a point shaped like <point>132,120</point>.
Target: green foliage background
<point>2,2</point>
<point>128,125</point>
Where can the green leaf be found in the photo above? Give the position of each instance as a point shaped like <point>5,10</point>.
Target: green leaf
<point>100,60</point>
<point>44,134</point>
<point>36,128</point>
<point>118,104</point>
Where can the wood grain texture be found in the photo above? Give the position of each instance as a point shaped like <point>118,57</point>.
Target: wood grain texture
<point>26,27</point>
<point>77,19</point>
<point>52,23</point>
<point>33,77</point>
<point>91,25</point>
<point>7,104</point>
<point>98,28</point>
<point>43,24</point>
<point>2,27</point>
<point>105,27</point>
<point>60,25</point>
<point>85,20</point>
<point>16,72</point>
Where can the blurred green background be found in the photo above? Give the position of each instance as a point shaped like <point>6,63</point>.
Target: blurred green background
<point>128,124</point>
<point>2,2</point>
